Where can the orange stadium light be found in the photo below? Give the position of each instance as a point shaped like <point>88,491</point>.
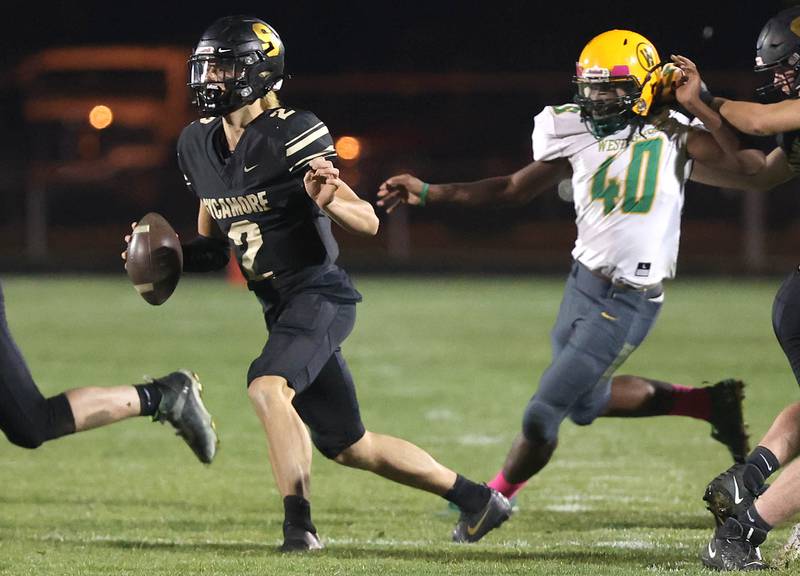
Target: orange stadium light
<point>101,117</point>
<point>348,148</point>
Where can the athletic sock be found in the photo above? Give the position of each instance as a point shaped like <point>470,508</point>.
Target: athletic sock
<point>468,495</point>
<point>297,512</point>
<point>149,398</point>
<point>693,402</point>
<point>763,459</point>
<point>755,527</point>
<point>506,488</point>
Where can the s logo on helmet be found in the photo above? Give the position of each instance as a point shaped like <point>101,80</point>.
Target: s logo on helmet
<point>795,26</point>
<point>268,43</point>
<point>647,58</point>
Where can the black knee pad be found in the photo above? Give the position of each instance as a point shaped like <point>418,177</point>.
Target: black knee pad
<point>30,438</point>
<point>541,421</point>
<point>45,420</point>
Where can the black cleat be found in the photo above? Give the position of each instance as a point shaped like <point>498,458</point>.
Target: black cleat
<point>182,406</point>
<point>731,494</point>
<point>729,549</point>
<point>727,417</point>
<point>473,527</point>
<point>298,539</point>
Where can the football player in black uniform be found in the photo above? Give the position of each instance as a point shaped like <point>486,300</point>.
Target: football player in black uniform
<point>744,516</point>
<point>29,419</point>
<point>266,188</point>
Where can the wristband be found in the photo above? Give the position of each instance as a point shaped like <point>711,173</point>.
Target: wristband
<point>705,95</point>
<point>204,254</point>
<point>424,193</point>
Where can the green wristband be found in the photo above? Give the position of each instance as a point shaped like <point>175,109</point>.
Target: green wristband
<point>424,193</point>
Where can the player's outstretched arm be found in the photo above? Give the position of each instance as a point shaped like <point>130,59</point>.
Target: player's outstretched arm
<point>521,186</point>
<point>776,171</point>
<point>338,200</point>
<point>722,149</point>
<point>762,119</point>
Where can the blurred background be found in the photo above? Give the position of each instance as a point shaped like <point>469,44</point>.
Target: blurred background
<point>95,98</point>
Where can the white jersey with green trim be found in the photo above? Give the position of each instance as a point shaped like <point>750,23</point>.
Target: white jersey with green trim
<point>627,190</point>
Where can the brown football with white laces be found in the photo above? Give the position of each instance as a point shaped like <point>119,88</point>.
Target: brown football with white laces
<point>155,258</point>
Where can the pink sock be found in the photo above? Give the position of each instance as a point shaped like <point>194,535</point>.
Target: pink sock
<point>694,402</point>
<point>505,487</point>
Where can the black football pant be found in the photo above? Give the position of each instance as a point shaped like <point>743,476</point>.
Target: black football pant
<point>26,417</point>
<point>786,320</point>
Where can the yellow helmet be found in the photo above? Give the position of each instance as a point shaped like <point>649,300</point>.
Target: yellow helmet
<point>617,77</point>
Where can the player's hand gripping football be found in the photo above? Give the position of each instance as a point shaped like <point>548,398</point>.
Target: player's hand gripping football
<point>127,238</point>
<point>687,89</point>
<point>400,189</point>
<point>322,181</point>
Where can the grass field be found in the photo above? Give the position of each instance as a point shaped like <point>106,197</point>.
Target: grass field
<point>447,363</point>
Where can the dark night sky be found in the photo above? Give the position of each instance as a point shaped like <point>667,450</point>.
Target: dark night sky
<point>406,36</point>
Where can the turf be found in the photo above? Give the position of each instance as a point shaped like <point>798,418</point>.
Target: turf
<point>445,362</point>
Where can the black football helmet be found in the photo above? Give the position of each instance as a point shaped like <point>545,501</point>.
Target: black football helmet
<point>778,50</point>
<point>237,61</point>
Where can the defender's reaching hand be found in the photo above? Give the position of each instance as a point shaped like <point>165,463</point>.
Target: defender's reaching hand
<point>403,188</point>
<point>687,91</point>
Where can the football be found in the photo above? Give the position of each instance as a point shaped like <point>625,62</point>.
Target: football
<point>155,258</point>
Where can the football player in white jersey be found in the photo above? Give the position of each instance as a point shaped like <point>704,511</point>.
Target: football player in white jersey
<point>627,163</point>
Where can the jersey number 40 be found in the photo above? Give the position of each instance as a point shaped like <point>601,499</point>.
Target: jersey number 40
<point>640,188</point>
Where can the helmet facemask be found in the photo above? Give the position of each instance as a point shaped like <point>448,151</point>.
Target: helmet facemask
<point>607,104</point>
<point>238,60</point>
<point>616,77</point>
<point>785,78</point>
<point>224,84</point>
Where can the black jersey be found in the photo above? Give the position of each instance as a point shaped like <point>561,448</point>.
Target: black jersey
<point>790,142</point>
<point>282,240</point>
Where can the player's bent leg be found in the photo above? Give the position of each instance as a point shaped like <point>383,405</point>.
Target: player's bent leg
<point>782,501</point>
<point>330,408</point>
<point>786,320</point>
<point>305,334</point>
<point>783,437</point>
<point>39,421</point>
<point>287,438</point>
<point>94,406</point>
<point>733,492</point>
<point>26,417</point>
<point>289,447</point>
<point>735,543</point>
<point>399,461</point>
<point>719,404</point>
<point>739,496</point>
<point>482,509</point>
<point>532,449</point>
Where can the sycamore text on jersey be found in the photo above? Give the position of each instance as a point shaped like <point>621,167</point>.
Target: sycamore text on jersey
<point>236,205</point>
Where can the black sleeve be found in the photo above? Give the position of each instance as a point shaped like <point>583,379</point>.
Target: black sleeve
<point>204,254</point>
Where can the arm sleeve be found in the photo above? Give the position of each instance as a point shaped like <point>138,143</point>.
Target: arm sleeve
<point>307,138</point>
<point>203,254</point>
